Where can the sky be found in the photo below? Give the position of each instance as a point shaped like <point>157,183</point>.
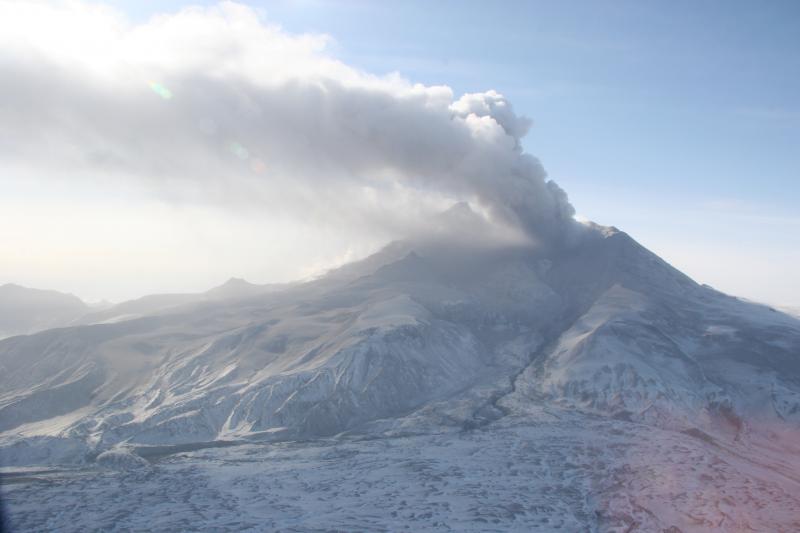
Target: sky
<point>677,122</point>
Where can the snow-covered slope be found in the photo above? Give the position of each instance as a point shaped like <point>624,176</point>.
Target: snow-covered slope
<point>417,335</point>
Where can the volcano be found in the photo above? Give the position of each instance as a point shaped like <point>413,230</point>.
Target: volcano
<point>598,341</point>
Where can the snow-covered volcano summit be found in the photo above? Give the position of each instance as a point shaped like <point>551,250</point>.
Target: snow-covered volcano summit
<point>415,335</point>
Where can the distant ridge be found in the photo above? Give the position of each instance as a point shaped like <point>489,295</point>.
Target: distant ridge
<point>24,310</point>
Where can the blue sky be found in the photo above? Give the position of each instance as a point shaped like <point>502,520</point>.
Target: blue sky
<point>678,122</point>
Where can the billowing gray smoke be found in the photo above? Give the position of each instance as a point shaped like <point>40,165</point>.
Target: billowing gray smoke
<point>234,110</point>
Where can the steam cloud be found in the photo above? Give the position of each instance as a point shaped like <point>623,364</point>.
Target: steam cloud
<point>232,109</point>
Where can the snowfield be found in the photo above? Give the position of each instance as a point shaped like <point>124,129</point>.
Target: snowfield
<point>427,387</point>
<point>559,473</point>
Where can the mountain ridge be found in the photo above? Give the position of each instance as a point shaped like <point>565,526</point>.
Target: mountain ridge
<point>462,337</point>
<point>26,310</point>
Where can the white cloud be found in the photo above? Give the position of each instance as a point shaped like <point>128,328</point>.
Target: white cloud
<point>217,106</point>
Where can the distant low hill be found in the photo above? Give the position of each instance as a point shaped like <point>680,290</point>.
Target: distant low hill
<point>233,289</point>
<point>24,310</point>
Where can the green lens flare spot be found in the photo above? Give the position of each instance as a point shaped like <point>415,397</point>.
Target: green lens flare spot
<point>160,90</point>
<point>238,150</point>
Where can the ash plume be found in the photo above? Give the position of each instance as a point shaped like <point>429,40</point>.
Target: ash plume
<point>217,105</point>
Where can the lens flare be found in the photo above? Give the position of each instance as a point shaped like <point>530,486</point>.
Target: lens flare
<point>238,150</point>
<point>257,166</point>
<point>160,90</point>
